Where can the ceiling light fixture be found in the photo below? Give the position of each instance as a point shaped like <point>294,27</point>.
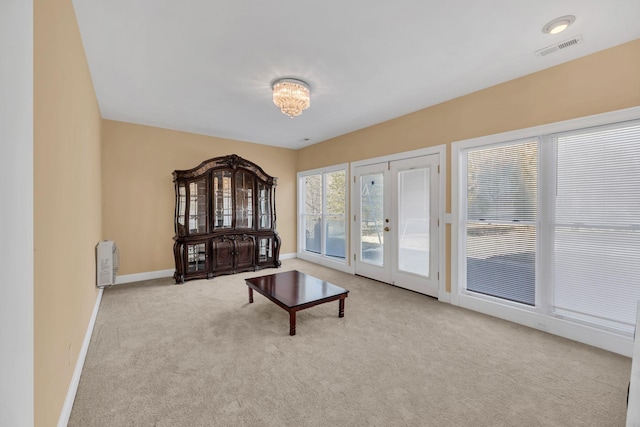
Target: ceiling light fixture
<point>291,96</point>
<point>559,24</point>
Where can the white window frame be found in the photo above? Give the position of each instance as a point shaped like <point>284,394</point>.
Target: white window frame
<point>321,258</point>
<point>536,317</point>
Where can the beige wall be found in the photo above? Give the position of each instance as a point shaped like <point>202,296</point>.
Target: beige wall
<point>67,202</point>
<point>138,192</point>
<point>605,81</point>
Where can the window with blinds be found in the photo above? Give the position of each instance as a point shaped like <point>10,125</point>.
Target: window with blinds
<point>501,221</point>
<point>586,242</point>
<point>596,226</point>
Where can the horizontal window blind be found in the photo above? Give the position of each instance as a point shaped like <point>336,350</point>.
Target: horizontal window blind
<point>501,221</point>
<point>502,183</point>
<point>598,177</point>
<point>596,226</point>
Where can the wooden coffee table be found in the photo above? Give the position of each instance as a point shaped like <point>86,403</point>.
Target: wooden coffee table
<point>295,291</point>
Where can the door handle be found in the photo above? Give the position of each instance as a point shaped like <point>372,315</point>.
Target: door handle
<point>386,229</point>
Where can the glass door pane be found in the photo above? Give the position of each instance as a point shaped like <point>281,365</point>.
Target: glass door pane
<point>413,221</point>
<point>244,200</point>
<point>372,219</point>
<point>198,207</point>
<point>265,250</point>
<point>196,257</point>
<point>264,206</point>
<point>372,248</point>
<point>222,199</point>
<point>181,207</point>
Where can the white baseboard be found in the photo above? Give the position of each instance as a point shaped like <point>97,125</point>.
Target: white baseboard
<point>288,256</point>
<point>138,277</point>
<point>77,372</point>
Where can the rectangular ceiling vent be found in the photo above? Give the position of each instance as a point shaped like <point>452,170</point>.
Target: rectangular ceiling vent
<point>559,46</point>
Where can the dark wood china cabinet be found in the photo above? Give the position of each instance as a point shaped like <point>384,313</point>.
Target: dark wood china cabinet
<point>225,219</point>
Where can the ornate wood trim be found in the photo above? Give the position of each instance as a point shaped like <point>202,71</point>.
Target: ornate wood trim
<point>231,161</point>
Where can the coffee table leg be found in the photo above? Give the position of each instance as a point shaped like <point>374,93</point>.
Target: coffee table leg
<point>341,310</point>
<point>250,295</point>
<point>292,323</point>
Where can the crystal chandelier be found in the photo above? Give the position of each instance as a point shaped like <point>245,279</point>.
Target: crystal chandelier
<point>291,96</point>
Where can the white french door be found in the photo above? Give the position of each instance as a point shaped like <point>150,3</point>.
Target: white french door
<point>396,218</point>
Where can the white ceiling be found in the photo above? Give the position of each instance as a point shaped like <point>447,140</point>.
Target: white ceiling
<point>206,66</point>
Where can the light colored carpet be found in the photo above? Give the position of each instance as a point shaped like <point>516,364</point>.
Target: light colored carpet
<point>200,355</point>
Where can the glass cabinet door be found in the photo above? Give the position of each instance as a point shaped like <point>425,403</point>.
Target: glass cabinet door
<point>222,202</point>
<point>264,206</point>
<point>198,206</point>
<point>265,249</point>
<point>244,200</point>
<point>181,207</point>
<point>197,257</point>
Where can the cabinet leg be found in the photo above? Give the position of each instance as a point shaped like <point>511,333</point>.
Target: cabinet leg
<point>250,295</point>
